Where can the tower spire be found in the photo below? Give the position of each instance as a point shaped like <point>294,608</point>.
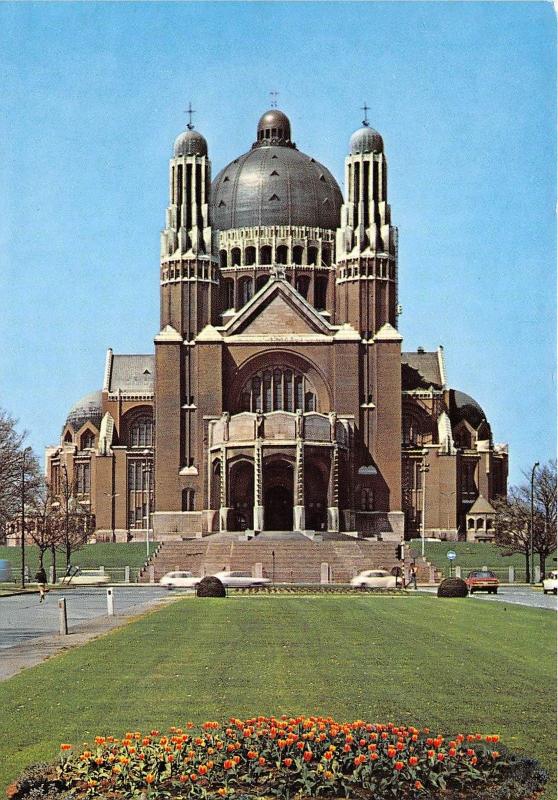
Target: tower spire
<point>366,109</point>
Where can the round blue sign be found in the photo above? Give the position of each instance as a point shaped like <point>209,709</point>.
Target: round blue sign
<point>451,555</point>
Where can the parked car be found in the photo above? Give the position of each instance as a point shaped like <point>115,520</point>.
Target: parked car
<point>480,580</point>
<point>180,579</point>
<point>375,579</point>
<point>550,584</point>
<point>85,577</point>
<point>240,579</point>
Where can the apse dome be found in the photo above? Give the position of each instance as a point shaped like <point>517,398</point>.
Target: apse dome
<point>462,406</point>
<point>275,184</point>
<point>88,409</point>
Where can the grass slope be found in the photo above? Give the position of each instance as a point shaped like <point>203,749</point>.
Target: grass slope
<point>451,665</point>
<point>473,555</point>
<point>106,555</point>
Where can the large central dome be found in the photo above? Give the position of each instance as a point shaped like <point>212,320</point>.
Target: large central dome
<point>275,184</point>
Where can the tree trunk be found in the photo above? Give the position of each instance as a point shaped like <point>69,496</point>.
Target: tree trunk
<point>527,567</point>
<point>53,551</point>
<point>542,563</point>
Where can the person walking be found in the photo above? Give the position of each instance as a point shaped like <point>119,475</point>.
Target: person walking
<point>413,576</point>
<point>41,579</point>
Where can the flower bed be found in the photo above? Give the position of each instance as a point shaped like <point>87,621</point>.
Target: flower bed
<point>284,757</point>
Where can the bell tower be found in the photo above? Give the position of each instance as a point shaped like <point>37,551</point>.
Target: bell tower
<point>366,239</point>
<point>189,274</point>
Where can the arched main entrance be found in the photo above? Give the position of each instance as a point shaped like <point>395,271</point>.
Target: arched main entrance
<point>241,483</point>
<point>278,495</point>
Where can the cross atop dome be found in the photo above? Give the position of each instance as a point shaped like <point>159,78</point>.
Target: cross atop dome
<point>274,94</point>
<point>190,111</point>
<point>366,109</point>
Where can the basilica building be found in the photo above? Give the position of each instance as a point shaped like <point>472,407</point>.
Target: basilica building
<point>278,398</point>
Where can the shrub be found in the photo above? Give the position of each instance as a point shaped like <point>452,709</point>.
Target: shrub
<point>453,587</point>
<point>210,587</point>
<point>38,782</point>
<point>302,756</point>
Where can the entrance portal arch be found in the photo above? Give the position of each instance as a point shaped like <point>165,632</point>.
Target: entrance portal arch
<point>278,495</point>
<point>241,483</point>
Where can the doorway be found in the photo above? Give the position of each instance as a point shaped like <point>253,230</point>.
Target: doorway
<point>278,496</point>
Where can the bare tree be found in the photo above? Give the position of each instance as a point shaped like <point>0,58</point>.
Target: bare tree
<point>513,517</point>
<point>19,471</point>
<point>75,521</point>
<point>45,528</point>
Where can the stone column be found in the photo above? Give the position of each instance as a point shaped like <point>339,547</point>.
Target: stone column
<point>333,487</point>
<point>258,523</point>
<point>223,507</point>
<point>299,513</point>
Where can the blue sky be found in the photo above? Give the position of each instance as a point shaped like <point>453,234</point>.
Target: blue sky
<point>463,94</point>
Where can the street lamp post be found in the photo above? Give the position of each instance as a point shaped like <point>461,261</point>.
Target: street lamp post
<point>147,469</point>
<point>27,450</point>
<point>423,469</point>
<point>531,527</point>
<point>66,513</point>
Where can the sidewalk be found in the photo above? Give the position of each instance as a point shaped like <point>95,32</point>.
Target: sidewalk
<point>35,651</point>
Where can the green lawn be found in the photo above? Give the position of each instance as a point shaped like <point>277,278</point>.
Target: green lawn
<point>453,665</point>
<point>110,556</point>
<point>472,555</point>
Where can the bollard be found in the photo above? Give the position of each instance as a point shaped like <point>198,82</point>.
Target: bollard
<point>62,617</point>
<point>511,574</point>
<point>126,574</point>
<point>110,602</point>
<point>257,570</point>
<point>431,574</point>
<point>151,573</point>
<point>458,572</point>
<point>537,574</point>
<point>51,574</point>
<point>102,570</point>
<point>324,572</point>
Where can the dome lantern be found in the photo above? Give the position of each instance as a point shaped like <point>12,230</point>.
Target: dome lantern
<point>274,128</point>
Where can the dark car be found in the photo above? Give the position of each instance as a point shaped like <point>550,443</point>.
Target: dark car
<point>480,580</point>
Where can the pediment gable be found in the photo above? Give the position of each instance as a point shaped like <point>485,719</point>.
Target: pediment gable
<point>278,310</point>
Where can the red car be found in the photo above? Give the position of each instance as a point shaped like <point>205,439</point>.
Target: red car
<point>482,580</point>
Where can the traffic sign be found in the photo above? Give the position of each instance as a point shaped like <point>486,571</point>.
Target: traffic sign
<point>451,555</point>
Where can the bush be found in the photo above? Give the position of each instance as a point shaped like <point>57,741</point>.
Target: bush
<point>453,587</point>
<point>302,756</point>
<point>38,782</point>
<point>211,587</point>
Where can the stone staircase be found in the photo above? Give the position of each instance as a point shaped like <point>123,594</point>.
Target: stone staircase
<point>288,559</point>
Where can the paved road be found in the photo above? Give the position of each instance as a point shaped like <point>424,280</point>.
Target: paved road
<point>518,595</point>
<point>23,618</point>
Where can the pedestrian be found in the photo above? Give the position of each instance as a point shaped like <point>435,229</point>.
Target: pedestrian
<point>41,579</point>
<point>413,576</point>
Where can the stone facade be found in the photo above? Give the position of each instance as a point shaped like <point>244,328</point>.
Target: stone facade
<point>278,398</point>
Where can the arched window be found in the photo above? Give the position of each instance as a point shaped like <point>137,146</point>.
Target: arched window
<point>367,499</point>
<point>298,251</point>
<point>68,437</point>
<point>302,285</point>
<point>141,432</point>
<point>488,524</point>
<point>320,293</point>
<point>235,257</point>
<point>265,254</point>
<point>245,290</point>
<point>412,431</point>
<point>280,389</point>
<point>222,258</point>
<point>326,256</point>
<point>480,523</point>
<point>471,524</point>
<point>228,292</point>
<point>281,254</point>
<point>250,256</point>
<point>261,280</point>
<point>87,440</point>
<point>313,255</point>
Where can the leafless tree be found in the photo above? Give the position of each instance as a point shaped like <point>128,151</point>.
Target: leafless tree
<point>513,517</point>
<point>75,521</point>
<point>19,471</point>
<point>45,527</point>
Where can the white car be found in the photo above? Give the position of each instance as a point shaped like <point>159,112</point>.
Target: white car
<point>375,579</point>
<point>550,584</point>
<point>85,577</point>
<point>180,579</point>
<point>240,579</point>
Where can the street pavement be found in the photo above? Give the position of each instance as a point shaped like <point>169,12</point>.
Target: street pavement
<point>23,618</point>
<point>517,595</point>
